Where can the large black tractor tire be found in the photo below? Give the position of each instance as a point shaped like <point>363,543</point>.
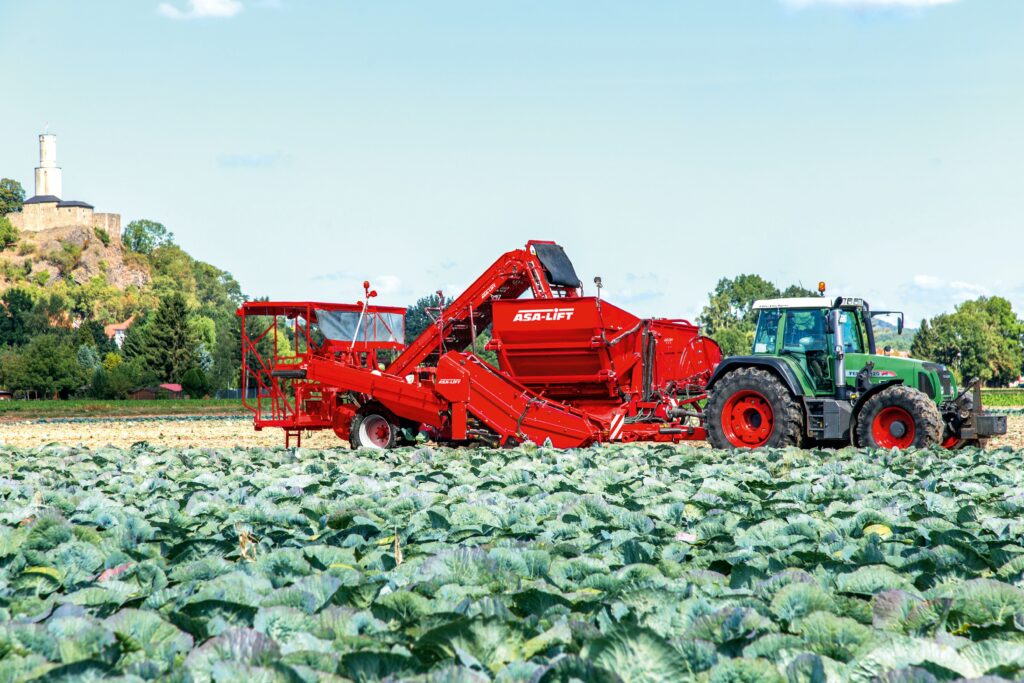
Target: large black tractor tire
<point>751,408</point>
<point>899,417</point>
<point>374,428</point>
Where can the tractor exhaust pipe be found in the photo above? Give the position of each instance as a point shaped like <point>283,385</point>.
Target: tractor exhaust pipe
<point>840,351</point>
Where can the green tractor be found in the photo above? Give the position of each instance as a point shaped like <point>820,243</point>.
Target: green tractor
<point>814,378</point>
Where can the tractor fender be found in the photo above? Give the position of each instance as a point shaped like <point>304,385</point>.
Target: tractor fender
<point>868,394</point>
<point>776,366</point>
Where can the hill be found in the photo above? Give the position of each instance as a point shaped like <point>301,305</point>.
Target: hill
<point>75,254</point>
<point>60,287</point>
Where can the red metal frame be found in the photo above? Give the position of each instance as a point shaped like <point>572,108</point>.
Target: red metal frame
<point>284,397</point>
<point>574,370</point>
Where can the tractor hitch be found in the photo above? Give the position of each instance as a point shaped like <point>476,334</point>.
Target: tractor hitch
<point>969,422</point>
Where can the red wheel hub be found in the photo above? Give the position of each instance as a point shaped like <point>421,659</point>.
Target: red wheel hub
<point>375,432</point>
<point>748,420</point>
<point>893,427</point>
<point>951,441</point>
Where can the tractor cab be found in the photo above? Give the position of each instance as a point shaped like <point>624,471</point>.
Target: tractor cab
<point>804,331</point>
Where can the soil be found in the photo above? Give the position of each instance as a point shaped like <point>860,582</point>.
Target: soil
<point>224,433</point>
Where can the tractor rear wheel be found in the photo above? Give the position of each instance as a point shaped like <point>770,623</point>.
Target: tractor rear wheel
<point>751,408</point>
<point>374,429</point>
<point>899,417</point>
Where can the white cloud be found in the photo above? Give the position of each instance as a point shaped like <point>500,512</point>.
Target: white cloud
<point>929,282</point>
<point>868,3</point>
<point>387,284</point>
<point>928,295</point>
<point>200,9</point>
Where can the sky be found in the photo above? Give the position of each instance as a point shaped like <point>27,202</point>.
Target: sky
<point>307,145</point>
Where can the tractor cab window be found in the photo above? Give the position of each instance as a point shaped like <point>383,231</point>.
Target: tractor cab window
<point>851,333</point>
<point>767,331</point>
<point>805,331</point>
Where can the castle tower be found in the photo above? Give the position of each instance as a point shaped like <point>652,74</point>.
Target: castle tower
<point>48,174</point>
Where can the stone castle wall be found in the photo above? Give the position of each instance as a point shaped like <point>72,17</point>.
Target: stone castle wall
<point>35,217</point>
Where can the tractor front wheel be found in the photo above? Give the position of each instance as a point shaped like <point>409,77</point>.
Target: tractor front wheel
<point>899,417</point>
<point>751,408</point>
<point>373,429</point>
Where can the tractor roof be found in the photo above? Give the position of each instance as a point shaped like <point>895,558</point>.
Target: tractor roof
<point>809,302</point>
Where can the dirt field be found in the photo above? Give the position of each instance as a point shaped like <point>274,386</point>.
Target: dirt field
<point>219,433</point>
<point>168,432</point>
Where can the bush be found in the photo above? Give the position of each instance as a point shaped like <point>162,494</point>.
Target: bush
<point>102,235</point>
<point>125,377</point>
<point>100,385</point>
<point>66,258</point>
<point>132,258</point>
<point>8,234</point>
<point>195,384</point>
<point>26,248</point>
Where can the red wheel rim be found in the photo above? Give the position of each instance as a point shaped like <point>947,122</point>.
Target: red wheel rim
<point>748,420</point>
<point>375,432</point>
<point>951,441</point>
<point>893,427</point>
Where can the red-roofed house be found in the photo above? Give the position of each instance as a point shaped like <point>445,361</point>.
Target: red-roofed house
<point>166,390</point>
<point>116,331</point>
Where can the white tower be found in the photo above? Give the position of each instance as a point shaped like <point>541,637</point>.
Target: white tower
<point>48,174</point>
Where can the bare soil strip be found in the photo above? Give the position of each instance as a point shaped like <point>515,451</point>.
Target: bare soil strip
<point>225,433</point>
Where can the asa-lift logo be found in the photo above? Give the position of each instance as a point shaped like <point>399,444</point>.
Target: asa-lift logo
<point>530,315</point>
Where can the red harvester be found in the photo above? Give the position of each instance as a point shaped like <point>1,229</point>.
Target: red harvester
<point>573,369</point>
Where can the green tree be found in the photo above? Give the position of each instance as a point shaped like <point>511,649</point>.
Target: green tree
<point>144,236</point>
<point>227,355</point>
<point>924,342</point>
<point>981,338</point>
<point>17,305</point>
<point>12,196</point>
<point>204,329</point>
<point>195,384</point>
<point>8,234</point>
<point>418,319</point>
<point>112,360</point>
<point>729,317</point>
<point>125,377</point>
<point>135,340</point>
<point>99,386</point>
<point>730,305</point>
<point>48,364</point>
<point>88,357</point>
<point>170,345</point>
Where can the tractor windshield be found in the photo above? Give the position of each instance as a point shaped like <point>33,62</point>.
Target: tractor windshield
<point>805,330</point>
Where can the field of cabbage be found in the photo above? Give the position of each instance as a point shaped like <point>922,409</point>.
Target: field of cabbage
<point>622,563</point>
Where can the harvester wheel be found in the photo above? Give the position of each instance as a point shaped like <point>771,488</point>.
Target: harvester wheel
<point>751,408</point>
<point>899,417</point>
<point>373,429</point>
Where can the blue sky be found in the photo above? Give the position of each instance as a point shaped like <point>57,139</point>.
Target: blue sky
<point>305,145</point>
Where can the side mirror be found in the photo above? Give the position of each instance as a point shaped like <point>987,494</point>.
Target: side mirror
<point>899,324</point>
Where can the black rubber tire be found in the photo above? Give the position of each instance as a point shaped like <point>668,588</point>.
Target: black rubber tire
<point>788,416</point>
<point>928,425</point>
<point>372,414</point>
